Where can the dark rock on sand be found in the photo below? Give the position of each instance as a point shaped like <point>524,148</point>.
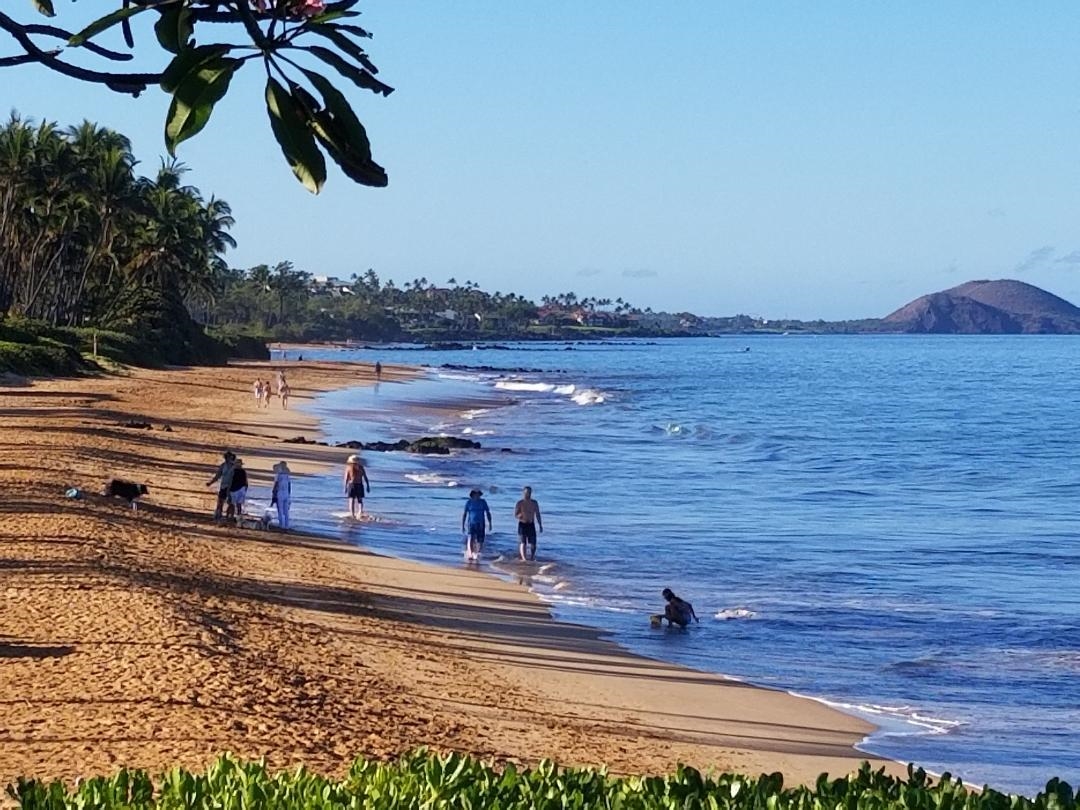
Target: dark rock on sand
<point>303,440</point>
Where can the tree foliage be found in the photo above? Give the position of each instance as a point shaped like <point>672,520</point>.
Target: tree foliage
<point>85,240</point>
<point>309,116</point>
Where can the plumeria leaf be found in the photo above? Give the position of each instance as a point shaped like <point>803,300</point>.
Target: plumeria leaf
<point>343,136</point>
<point>108,21</point>
<point>359,76</point>
<point>174,28</point>
<point>344,44</point>
<point>290,124</point>
<point>188,60</point>
<point>194,99</point>
<point>338,106</point>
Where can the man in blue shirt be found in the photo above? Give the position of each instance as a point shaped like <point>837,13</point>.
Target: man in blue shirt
<point>472,523</point>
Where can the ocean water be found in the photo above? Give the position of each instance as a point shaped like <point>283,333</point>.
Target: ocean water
<point>885,523</point>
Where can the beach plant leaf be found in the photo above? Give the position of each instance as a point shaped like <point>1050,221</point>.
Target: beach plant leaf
<point>291,125</point>
<point>195,97</point>
<point>45,7</point>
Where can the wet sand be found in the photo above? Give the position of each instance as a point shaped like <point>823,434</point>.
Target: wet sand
<point>157,638</point>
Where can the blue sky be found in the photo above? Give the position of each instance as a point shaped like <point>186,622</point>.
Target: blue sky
<point>781,159</point>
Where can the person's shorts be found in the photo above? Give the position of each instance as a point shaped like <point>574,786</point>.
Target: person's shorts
<point>527,532</point>
<point>476,533</point>
<point>237,496</point>
<point>356,490</point>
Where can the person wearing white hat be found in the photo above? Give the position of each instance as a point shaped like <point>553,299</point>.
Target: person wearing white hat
<point>355,479</point>
<point>282,494</point>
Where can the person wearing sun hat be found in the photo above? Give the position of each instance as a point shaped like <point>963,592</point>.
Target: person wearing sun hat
<point>355,479</point>
<point>282,495</point>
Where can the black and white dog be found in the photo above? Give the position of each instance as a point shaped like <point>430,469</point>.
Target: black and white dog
<point>128,490</point>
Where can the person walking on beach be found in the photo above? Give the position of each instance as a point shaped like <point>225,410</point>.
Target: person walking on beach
<point>378,370</point>
<point>224,476</point>
<point>284,392</point>
<point>678,611</point>
<point>267,393</point>
<point>472,524</point>
<point>238,489</point>
<point>527,513</point>
<point>355,479</point>
<point>282,494</point>
<point>280,381</point>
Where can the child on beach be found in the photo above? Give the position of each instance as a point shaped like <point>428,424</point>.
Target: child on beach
<point>476,508</point>
<point>355,479</point>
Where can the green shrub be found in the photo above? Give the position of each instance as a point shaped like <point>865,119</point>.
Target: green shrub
<point>44,358</point>
<point>425,780</point>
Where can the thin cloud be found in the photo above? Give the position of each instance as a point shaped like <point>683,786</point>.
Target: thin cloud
<point>1072,258</point>
<point>639,273</point>
<point>1035,259</point>
<point>586,272</point>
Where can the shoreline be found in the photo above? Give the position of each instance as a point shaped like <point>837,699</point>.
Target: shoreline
<point>300,648</point>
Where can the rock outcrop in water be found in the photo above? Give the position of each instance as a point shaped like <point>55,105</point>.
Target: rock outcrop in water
<point>988,308</point>
<point>429,445</point>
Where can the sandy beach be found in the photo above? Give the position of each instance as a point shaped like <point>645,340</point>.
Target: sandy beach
<point>158,638</point>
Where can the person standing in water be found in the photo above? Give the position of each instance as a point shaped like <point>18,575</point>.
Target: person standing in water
<point>527,513</point>
<point>282,495</point>
<point>472,524</point>
<point>378,370</point>
<point>355,479</point>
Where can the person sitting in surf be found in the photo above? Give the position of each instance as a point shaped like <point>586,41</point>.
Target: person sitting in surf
<point>678,611</point>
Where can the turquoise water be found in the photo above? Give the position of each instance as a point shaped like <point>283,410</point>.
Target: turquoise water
<point>887,523</point>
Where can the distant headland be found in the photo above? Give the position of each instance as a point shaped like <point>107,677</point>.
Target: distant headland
<point>998,307</point>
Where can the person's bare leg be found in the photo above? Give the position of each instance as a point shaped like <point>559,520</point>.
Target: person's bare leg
<point>521,550</point>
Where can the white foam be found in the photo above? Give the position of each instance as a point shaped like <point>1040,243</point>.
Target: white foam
<point>432,478</point>
<point>588,397</point>
<point>524,386</point>
<point>735,613</point>
<point>475,413</point>
<point>474,432</point>
<point>897,721</point>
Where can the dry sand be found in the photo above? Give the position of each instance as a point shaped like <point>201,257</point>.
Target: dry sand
<point>156,638</point>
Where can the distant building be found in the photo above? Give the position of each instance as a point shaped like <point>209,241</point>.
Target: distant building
<point>330,285</point>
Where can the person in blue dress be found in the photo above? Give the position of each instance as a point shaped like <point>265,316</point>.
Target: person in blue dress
<point>472,524</point>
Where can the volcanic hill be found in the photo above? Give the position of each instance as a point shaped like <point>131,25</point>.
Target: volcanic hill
<point>988,308</point>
